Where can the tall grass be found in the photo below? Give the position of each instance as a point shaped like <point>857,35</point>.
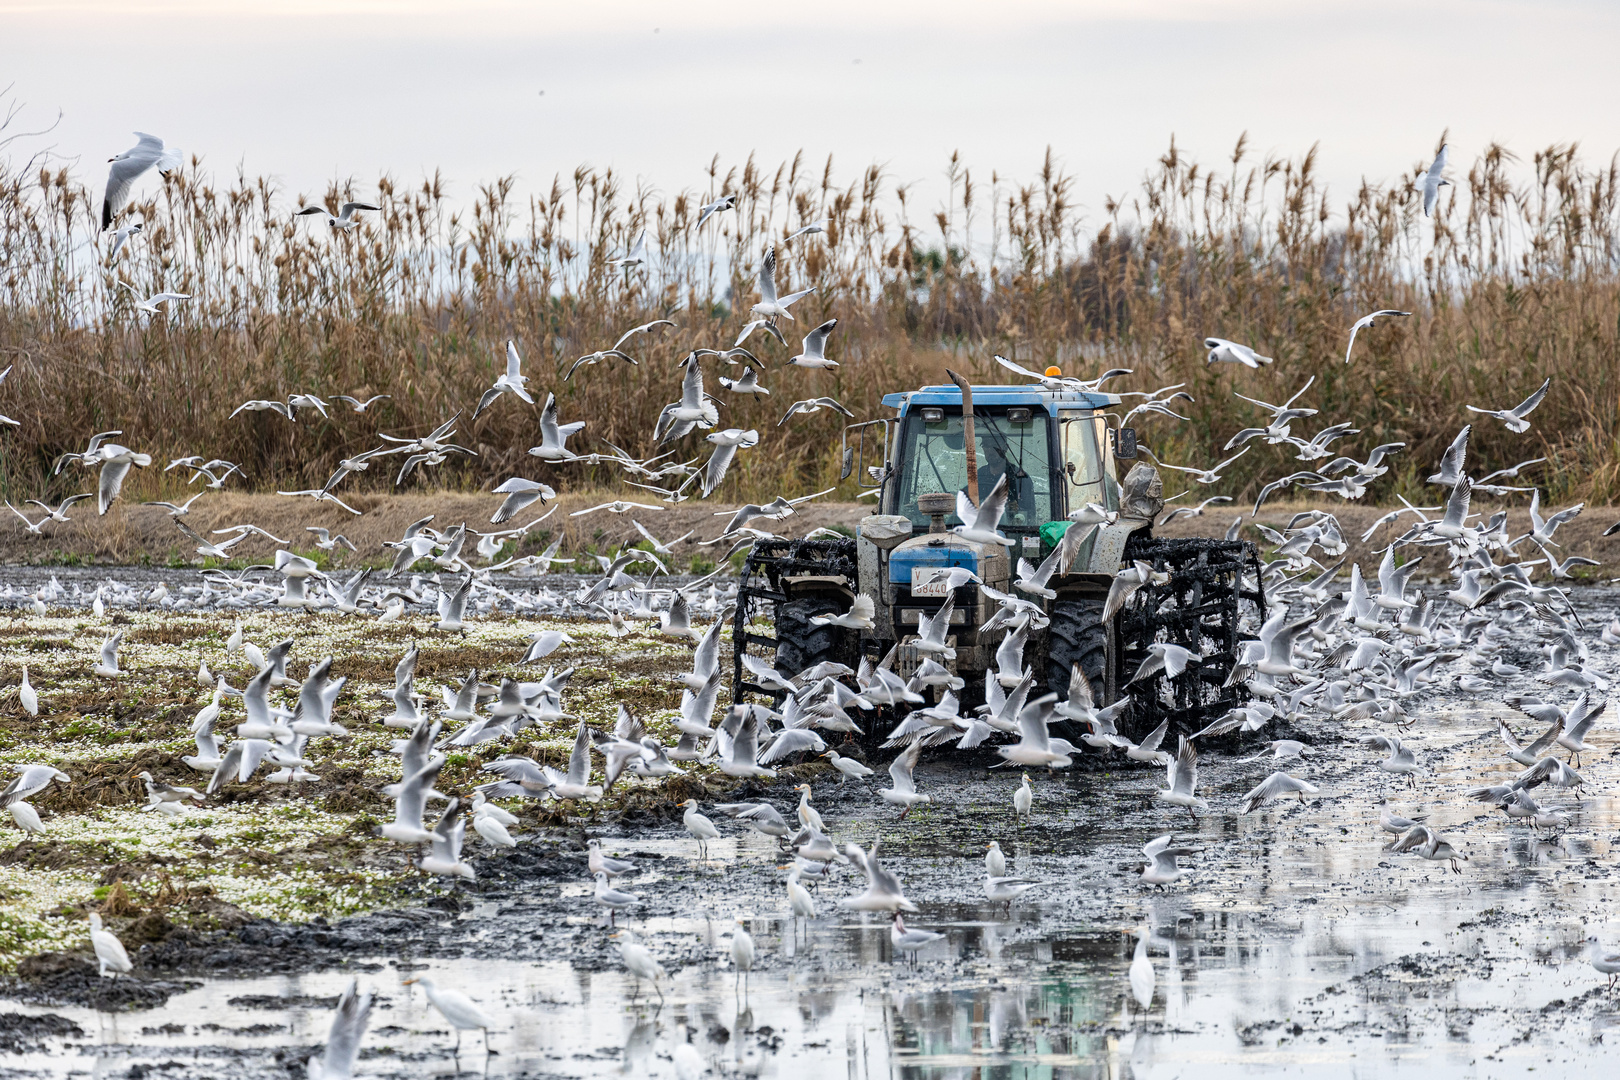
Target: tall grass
<point>1514,279</point>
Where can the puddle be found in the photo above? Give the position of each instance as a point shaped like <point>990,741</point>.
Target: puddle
<point>1347,990</point>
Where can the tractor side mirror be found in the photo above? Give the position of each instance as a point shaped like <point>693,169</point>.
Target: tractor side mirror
<point>849,463</point>
<point>1125,444</point>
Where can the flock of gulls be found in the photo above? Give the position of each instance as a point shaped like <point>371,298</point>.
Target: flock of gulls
<point>1330,646</point>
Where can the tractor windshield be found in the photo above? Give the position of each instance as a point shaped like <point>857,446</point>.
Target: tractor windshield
<point>1016,442</point>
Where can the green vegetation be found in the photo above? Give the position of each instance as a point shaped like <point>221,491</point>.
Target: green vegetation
<point>280,851</point>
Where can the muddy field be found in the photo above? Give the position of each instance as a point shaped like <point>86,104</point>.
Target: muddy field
<point>145,533</point>
<point>1296,945</point>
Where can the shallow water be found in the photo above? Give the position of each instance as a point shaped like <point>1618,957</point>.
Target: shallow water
<point>993,997</point>
<point>1295,946</point>
<point>1293,963</point>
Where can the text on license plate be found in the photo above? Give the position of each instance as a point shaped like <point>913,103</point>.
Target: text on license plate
<point>930,580</point>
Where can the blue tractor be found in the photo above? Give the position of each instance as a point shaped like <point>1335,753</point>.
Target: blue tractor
<point>1060,451</point>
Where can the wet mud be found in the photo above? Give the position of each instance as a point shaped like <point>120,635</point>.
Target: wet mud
<point>1295,945</point>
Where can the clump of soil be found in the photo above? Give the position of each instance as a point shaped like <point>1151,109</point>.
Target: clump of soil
<point>71,978</point>
<point>21,1033</point>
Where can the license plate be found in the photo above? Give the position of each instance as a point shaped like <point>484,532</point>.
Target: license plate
<point>907,659</point>
<point>929,580</point>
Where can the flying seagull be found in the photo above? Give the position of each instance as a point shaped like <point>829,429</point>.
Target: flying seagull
<point>810,405</point>
<point>1514,418</point>
<point>771,306</point>
<point>637,255</point>
<point>817,226</point>
<point>1366,321</point>
<point>127,168</point>
<point>724,202</point>
<point>1222,351</point>
<point>150,304</point>
<point>512,381</point>
<point>1432,183</point>
<point>344,219</point>
<point>815,348</point>
<point>361,406</point>
<point>124,236</point>
<point>520,493</point>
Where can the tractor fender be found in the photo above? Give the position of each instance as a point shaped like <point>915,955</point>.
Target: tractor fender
<point>803,585</point>
<point>1141,499</point>
<point>875,537</point>
<point>1108,549</point>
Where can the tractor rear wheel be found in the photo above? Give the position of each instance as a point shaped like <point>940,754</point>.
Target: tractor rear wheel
<point>1076,636</point>
<point>800,645</point>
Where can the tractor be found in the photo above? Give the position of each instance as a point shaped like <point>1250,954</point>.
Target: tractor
<point>1059,450</point>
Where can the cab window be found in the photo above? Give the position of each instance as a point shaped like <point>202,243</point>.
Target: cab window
<point>1014,441</point>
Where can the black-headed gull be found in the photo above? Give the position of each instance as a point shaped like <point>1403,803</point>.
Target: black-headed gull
<point>343,1040</point>
<point>708,210</point>
<point>127,168</point>
<point>817,226</point>
<point>31,780</point>
<point>1182,780</point>
<point>554,436</point>
<point>902,790</point>
<point>259,405</point>
<point>1222,351</point>
<point>361,406</point>
<point>746,383</point>
<point>810,405</point>
<point>115,463</point>
<point>1273,786</point>
<point>1366,321</point>
<point>815,349</point>
<point>1432,180</point>
<point>909,942</point>
<point>344,219</point>
<point>1514,418</point>
<point>149,304</point>
<point>726,445</point>
<point>178,509</point>
<point>982,523</point>
<point>1453,460</point>
<point>33,527</point>
<point>511,381</point>
<point>771,306</point>
<point>636,256</point>
<point>1161,868</point>
<point>695,409</point>
<point>122,237</point>
<point>520,494</point>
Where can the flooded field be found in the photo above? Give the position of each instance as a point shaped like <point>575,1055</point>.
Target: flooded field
<point>1295,945</point>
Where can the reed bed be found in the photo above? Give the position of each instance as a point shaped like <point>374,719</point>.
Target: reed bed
<point>1514,279</point>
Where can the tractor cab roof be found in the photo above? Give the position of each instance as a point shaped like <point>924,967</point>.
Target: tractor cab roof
<point>1002,396</point>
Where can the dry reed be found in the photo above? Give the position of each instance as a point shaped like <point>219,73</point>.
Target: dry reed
<point>1514,279</point>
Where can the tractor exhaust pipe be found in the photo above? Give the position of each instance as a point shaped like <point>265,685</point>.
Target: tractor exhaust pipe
<point>967,435</point>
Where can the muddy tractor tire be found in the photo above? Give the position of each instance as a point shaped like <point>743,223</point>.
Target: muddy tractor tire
<point>1076,636</point>
<point>800,645</point>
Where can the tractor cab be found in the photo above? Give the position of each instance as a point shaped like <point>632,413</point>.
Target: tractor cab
<point>1057,453</point>
<point>1051,448</point>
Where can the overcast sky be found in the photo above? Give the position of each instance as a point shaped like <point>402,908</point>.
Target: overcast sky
<point>310,91</point>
